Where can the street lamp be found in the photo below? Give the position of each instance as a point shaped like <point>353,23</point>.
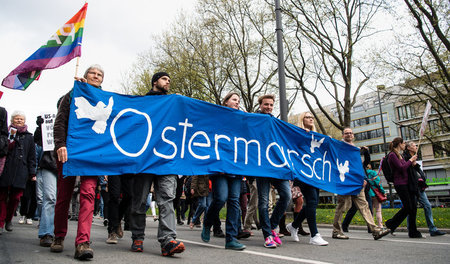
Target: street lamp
<point>382,87</point>
<point>281,73</point>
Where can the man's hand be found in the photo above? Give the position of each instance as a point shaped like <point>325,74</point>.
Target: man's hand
<point>62,154</point>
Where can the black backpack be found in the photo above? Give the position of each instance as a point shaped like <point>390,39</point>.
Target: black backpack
<point>386,168</point>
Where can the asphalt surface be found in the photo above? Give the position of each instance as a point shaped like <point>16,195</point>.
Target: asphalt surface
<point>22,246</point>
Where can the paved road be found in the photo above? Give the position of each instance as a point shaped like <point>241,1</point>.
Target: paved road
<point>22,246</point>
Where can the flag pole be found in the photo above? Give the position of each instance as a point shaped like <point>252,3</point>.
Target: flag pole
<point>76,67</point>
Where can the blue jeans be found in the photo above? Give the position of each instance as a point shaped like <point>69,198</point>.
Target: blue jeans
<point>225,189</point>
<point>284,191</point>
<point>203,204</point>
<point>311,195</point>
<point>423,200</point>
<point>46,224</point>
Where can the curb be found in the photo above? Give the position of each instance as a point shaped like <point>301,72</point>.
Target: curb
<point>423,230</point>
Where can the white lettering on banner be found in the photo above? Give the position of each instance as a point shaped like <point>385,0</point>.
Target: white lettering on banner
<point>163,136</point>
<point>307,165</point>
<point>201,139</point>
<point>198,144</point>
<point>282,153</point>
<point>289,156</point>
<point>113,135</point>
<point>216,147</point>
<point>313,168</point>
<point>236,140</point>
<point>183,142</point>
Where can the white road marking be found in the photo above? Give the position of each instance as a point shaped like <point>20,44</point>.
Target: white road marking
<point>300,260</point>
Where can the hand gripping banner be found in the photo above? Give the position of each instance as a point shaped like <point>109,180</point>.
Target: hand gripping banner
<point>113,134</point>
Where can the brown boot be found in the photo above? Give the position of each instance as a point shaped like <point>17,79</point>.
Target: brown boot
<point>57,245</point>
<point>83,251</point>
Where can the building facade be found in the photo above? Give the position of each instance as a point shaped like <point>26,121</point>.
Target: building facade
<point>401,120</point>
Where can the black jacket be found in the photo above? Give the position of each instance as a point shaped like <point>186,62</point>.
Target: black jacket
<point>3,132</point>
<point>20,162</point>
<point>414,173</point>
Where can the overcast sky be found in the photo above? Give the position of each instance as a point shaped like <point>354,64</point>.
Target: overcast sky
<point>115,33</point>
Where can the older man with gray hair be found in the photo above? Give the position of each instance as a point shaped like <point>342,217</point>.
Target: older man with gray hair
<point>65,186</point>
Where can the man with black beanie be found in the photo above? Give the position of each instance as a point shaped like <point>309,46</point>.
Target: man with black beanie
<point>165,186</point>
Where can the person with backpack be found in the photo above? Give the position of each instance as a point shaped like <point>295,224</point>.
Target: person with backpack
<point>402,184</point>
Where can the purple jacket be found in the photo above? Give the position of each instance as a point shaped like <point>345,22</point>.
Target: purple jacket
<point>399,168</point>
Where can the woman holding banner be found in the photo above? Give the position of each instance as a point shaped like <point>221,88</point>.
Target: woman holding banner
<point>407,195</point>
<point>225,188</point>
<point>311,195</point>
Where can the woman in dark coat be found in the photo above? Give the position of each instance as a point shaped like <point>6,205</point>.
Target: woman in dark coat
<point>20,165</point>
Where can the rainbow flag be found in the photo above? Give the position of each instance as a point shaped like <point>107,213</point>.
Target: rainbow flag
<point>62,47</point>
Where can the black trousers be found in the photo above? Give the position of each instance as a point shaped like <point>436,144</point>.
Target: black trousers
<point>409,210</point>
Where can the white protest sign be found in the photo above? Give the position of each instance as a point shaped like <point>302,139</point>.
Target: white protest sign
<point>47,131</point>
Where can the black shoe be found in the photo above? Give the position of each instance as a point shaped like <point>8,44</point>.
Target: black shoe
<point>416,234</point>
<point>302,232</point>
<point>243,234</point>
<point>105,222</point>
<point>172,247</point>
<point>179,222</point>
<point>437,233</point>
<point>345,229</point>
<point>219,233</point>
<point>8,227</point>
<point>137,246</point>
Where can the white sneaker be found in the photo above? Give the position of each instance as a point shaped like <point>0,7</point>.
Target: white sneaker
<point>293,231</point>
<point>22,220</point>
<point>29,221</point>
<point>318,240</point>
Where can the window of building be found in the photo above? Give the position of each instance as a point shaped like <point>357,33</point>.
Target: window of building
<point>371,134</point>
<point>378,148</point>
<point>405,112</point>
<point>409,132</point>
<point>436,127</point>
<point>358,108</point>
<point>441,149</point>
<point>368,120</point>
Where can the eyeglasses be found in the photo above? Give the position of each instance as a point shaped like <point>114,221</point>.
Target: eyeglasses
<point>309,117</point>
<point>348,133</point>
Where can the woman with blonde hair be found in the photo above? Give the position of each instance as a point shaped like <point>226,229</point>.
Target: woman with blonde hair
<point>311,195</point>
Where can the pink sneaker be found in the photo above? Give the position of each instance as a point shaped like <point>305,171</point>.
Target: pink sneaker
<point>269,243</point>
<point>276,238</point>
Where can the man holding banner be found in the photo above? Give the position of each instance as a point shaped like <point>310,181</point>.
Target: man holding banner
<point>344,202</point>
<point>165,186</point>
<point>269,225</point>
<point>65,186</point>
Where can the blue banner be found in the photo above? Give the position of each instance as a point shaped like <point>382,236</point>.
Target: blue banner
<point>113,134</point>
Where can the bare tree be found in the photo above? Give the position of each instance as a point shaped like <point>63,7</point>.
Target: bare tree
<point>321,53</point>
<point>421,59</point>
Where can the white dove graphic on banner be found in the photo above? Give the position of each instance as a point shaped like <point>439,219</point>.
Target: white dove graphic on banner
<point>99,113</point>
